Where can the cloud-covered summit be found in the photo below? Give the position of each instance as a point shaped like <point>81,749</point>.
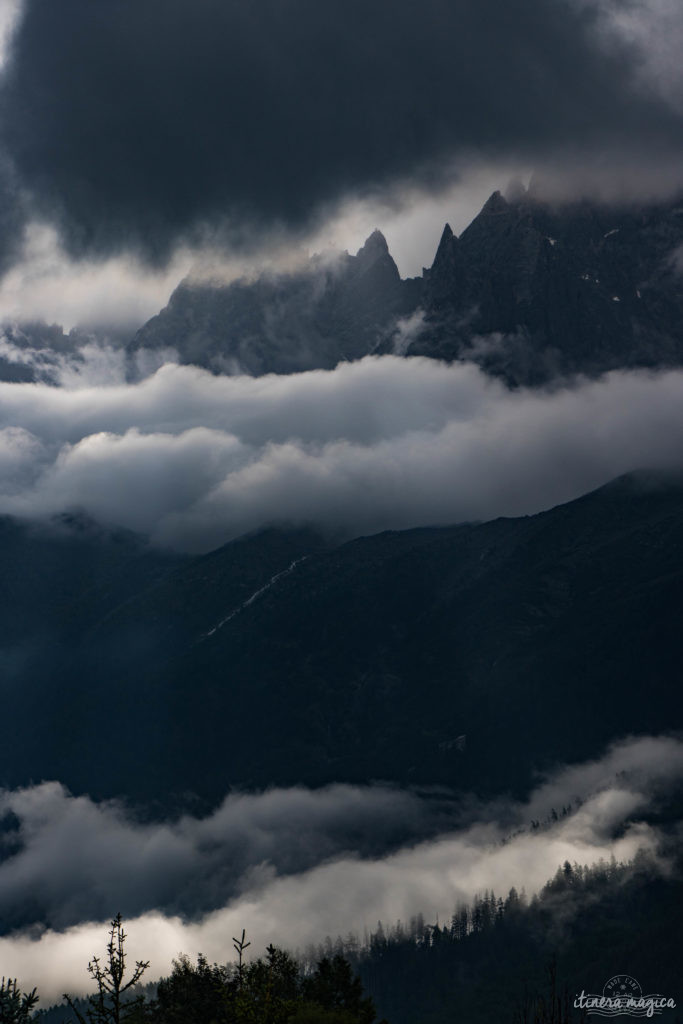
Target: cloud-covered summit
<point>134,126</point>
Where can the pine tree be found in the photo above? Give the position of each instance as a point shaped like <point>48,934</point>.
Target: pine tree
<point>16,1007</point>
<point>195,995</point>
<point>108,1005</point>
<point>334,987</point>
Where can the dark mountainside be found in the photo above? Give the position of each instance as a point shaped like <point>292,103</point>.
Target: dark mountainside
<point>334,309</point>
<point>530,291</point>
<point>504,957</point>
<point>65,574</point>
<point>467,656</point>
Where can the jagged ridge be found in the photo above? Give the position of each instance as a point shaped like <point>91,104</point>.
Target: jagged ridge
<point>530,290</point>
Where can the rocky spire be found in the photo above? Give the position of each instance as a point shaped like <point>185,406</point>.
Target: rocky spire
<point>374,259</point>
<point>445,245</point>
<point>494,204</point>
<point>374,248</point>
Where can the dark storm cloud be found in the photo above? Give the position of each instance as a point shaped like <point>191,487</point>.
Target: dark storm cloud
<point>13,212</point>
<point>136,121</point>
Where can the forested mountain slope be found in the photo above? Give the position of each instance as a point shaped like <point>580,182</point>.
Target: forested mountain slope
<point>468,655</point>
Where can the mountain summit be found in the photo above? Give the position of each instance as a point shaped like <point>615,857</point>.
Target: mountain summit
<point>530,290</point>
<point>375,248</point>
<point>534,290</point>
<point>333,309</point>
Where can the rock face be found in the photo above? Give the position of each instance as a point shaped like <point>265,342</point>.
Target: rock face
<point>530,290</point>
<point>335,309</point>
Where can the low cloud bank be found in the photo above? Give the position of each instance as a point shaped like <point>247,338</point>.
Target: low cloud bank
<point>194,460</point>
<point>285,863</point>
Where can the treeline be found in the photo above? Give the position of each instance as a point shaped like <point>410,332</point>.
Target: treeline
<point>507,958</point>
<point>499,959</point>
<point>485,910</point>
<point>269,990</point>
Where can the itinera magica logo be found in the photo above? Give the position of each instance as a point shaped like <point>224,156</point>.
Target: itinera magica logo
<point>622,995</point>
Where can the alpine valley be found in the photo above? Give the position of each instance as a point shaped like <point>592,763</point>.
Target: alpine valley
<point>459,665</point>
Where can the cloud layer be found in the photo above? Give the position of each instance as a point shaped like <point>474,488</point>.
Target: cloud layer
<point>194,460</point>
<point>132,128</point>
<point>280,864</point>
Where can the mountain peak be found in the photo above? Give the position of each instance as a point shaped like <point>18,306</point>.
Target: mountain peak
<point>446,235</point>
<point>445,248</point>
<point>495,204</point>
<point>374,247</point>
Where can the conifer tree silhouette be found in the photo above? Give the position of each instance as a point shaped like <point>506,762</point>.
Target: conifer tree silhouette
<point>16,1007</point>
<point>108,1005</point>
